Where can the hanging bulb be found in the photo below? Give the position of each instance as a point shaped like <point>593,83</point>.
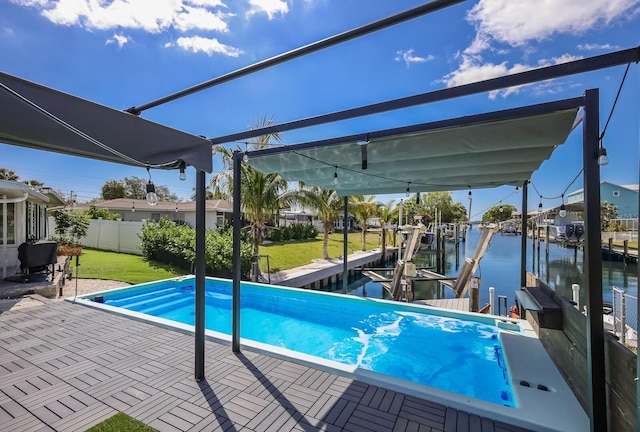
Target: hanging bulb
<point>152,198</point>
<point>245,157</point>
<point>176,207</point>
<point>335,176</point>
<point>603,159</point>
<point>540,207</point>
<point>517,189</point>
<point>563,211</point>
<point>408,190</point>
<point>133,207</point>
<point>182,176</point>
<point>469,194</point>
<point>501,210</point>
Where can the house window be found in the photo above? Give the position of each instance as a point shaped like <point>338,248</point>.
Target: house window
<point>616,193</point>
<point>155,217</point>
<point>178,217</point>
<point>11,222</point>
<point>220,222</point>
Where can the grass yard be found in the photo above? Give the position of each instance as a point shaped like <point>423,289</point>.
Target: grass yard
<point>134,269</point>
<point>287,255</point>
<point>121,423</point>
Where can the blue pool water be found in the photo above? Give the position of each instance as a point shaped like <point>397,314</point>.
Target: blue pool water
<point>407,342</point>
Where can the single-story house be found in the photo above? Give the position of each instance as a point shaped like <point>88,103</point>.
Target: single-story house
<point>218,212</point>
<point>625,198</point>
<point>23,216</point>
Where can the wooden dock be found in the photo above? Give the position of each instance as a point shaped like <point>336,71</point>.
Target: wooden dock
<point>457,304</point>
<point>623,253</point>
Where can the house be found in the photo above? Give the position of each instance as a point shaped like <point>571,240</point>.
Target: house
<point>218,212</point>
<point>625,198</point>
<point>23,216</point>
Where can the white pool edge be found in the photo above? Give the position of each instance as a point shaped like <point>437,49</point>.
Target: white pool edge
<point>527,360</point>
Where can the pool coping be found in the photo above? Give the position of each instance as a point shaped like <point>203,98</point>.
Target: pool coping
<point>555,409</point>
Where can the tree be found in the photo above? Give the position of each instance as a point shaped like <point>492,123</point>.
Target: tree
<point>363,208</point>
<point>260,192</point>
<point>608,211</point>
<point>388,215</point>
<point>432,201</point>
<point>95,213</point>
<point>71,226</point>
<point>326,204</point>
<point>113,189</point>
<point>7,174</point>
<point>499,213</point>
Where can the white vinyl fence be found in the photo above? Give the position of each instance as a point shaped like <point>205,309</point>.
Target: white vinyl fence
<point>117,236</point>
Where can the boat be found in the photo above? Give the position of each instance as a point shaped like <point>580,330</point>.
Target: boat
<point>571,233</point>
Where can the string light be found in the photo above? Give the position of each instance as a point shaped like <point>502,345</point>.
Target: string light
<point>563,210</point>
<point>133,207</point>
<point>152,198</point>
<point>335,176</point>
<point>408,190</point>
<point>245,157</point>
<point>603,159</point>
<point>182,176</point>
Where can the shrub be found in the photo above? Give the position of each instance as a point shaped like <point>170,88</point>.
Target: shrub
<point>174,244</point>
<point>71,226</point>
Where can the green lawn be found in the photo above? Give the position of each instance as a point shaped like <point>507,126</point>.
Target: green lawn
<point>134,269</point>
<point>287,255</point>
<point>632,244</point>
<point>121,423</point>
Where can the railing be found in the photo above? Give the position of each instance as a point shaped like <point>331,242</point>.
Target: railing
<point>625,318</point>
<point>620,236</point>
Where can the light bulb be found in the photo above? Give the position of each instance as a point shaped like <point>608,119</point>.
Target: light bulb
<point>540,207</point>
<point>182,176</point>
<point>501,209</point>
<point>335,176</point>
<point>603,159</point>
<point>563,211</point>
<point>152,198</point>
<point>245,158</point>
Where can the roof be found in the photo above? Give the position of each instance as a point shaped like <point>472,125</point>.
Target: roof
<point>481,151</point>
<point>631,187</point>
<point>45,119</point>
<point>162,206</point>
<point>15,189</point>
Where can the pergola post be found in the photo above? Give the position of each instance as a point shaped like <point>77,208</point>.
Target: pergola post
<point>200,270</point>
<point>345,246</point>
<point>593,264</point>
<point>523,238</point>
<point>237,264</point>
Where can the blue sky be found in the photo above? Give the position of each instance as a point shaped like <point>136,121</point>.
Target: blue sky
<point>122,53</point>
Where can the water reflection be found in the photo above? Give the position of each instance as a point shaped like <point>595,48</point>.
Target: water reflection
<point>500,268</point>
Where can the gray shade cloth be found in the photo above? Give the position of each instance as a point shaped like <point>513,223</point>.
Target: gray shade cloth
<point>468,155</point>
<point>136,139</point>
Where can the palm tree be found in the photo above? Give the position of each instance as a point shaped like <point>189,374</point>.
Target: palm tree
<point>326,204</point>
<point>260,192</point>
<point>363,208</point>
<point>388,215</point>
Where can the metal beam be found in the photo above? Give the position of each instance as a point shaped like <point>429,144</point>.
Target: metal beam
<point>304,50</point>
<point>523,239</point>
<point>597,401</point>
<point>237,264</point>
<point>200,270</point>
<point>522,78</point>
<point>345,246</point>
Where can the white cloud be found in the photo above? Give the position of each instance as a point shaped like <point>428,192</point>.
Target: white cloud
<point>472,70</point>
<point>592,47</point>
<point>118,39</point>
<point>270,7</point>
<point>408,57</point>
<point>518,22</point>
<point>151,16</point>
<point>208,46</point>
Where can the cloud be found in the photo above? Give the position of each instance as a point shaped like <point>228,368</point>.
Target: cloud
<point>408,57</point>
<point>118,39</point>
<point>518,22</point>
<point>150,16</point>
<point>593,47</point>
<point>472,69</point>
<point>208,46</point>
<point>270,7</point>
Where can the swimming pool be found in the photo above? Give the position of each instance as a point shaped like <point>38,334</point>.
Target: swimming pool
<point>387,343</point>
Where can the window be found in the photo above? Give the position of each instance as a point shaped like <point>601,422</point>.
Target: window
<point>155,217</point>
<point>616,193</point>
<point>220,222</point>
<point>11,222</point>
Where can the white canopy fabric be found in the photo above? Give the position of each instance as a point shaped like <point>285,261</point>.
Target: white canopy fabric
<point>45,119</point>
<point>466,155</point>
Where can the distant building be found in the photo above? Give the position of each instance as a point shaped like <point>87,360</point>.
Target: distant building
<point>625,198</point>
<point>218,212</point>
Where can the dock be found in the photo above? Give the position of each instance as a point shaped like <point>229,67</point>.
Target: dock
<point>456,304</point>
<point>624,253</point>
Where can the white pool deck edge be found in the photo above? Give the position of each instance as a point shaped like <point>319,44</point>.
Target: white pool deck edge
<point>527,360</point>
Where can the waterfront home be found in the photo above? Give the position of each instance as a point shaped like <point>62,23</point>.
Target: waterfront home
<point>625,198</point>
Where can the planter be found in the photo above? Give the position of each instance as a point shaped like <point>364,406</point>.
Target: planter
<point>68,250</point>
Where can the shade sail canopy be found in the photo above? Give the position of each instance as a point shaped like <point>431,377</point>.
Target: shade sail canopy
<point>484,151</point>
<point>45,119</point>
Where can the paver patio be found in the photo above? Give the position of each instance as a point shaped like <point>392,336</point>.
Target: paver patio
<point>65,367</point>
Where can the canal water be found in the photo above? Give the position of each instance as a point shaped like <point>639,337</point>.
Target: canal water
<point>500,268</point>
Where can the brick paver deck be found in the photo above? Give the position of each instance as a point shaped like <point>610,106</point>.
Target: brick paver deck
<point>65,367</point>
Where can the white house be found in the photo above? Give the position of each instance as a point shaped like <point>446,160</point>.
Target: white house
<point>218,212</point>
<point>23,216</point>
